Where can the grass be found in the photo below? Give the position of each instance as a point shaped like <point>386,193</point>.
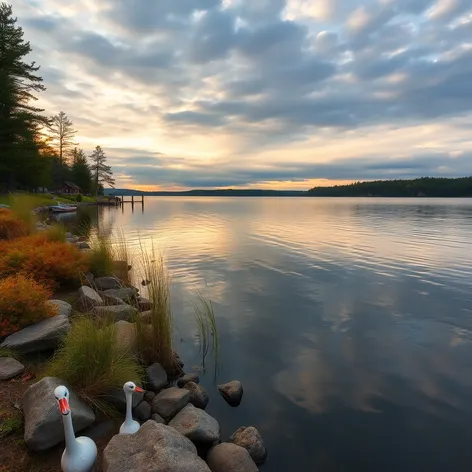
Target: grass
<point>56,232</point>
<point>120,252</point>
<point>101,255</point>
<point>155,339</point>
<point>11,424</point>
<point>92,363</point>
<point>5,352</point>
<point>207,330</point>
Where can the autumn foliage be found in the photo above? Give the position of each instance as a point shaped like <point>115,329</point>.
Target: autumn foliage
<point>22,302</point>
<point>11,227</point>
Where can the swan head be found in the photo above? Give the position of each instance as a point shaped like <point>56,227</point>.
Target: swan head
<point>62,396</point>
<point>130,387</point>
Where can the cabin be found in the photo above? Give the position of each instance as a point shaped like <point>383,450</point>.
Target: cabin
<point>69,188</point>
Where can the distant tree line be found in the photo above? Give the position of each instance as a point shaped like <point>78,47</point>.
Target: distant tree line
<point>423,187</point>
<point>35,150</point>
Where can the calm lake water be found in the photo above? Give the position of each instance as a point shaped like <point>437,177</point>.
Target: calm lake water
<point>348,321</point>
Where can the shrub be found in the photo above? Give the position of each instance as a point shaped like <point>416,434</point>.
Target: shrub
<point>92,363</point>
<point>79,197</point>
<point>56,232</point>
<point>100,256</point>
<point>11,227</point>
<point>48,262</point>
<point>22,302</point>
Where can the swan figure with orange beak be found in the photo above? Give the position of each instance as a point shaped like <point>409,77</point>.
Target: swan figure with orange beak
<point>130,426</point>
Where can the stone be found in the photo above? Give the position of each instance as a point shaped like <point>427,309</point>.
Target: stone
<point>149,396</point>
<point>198,395</point>
<point>115,312</point>
<point>250,439</point>
<point>126,336</point>
<point>107,283</point>
<point>10,368</point>
<point>144,304</point>
<point>88,298</point>
<point>112,300</point>
<point>232,392</point>
<point>83,245</point>
<point>72,240</point>
<point>117,398</point>
<point>103,430</point>
<point>89,278</point>
<point>43,421</point>
<point>154,448</point>
<point>38,337</point>
<point>228,457</point>
<point>170,401</point>
<point>158,418</point>
<point>63,308</point>
<point>143,411</point>
<point>190,377</point>
<point>197,425</point>
<point>126,294</point>
<point>157,377</point>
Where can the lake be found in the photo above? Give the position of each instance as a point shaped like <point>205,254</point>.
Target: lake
<point>348,321</point>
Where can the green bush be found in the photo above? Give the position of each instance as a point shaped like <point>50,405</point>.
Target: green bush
<point>79,197</point>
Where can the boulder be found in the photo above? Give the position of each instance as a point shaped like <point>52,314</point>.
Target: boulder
<point>111,300</point>
<point>170,401</point>
<point>228,457</point>
<point>117,398</point>
<point>88,298</point>
<point>158,418</point>
<point>198,395</point>
<point>126,336</point>
<point>250,439</point>
<point>127,294</point>
<point>63,308</point>
<point>157,377</point>
<point>143,411</point>
<point>10,368</point>
<point>107,283</point>
<point>154,448</point>
<point>149,396</point>
<point>144,304</point>
<point>115,312</point>
<point>83,245</point>
<point>197,425</point>
<point>186,378</point>
<point>38,337</point>
<point>43,421</point>
<point>232,392</point>
<point>104,430</point>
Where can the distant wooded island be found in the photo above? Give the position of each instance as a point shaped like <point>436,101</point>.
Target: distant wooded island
<point>423,187</point>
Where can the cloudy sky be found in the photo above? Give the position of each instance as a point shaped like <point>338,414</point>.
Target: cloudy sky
<point>260,93</point>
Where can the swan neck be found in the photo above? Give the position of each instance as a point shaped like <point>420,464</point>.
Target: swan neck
<point>71,442</point>
<point>129,406</point>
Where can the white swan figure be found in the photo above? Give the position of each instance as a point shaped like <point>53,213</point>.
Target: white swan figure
<point>80,454</point>
<point>130,426</point>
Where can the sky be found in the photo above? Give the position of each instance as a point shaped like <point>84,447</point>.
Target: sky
<point>282,94</point>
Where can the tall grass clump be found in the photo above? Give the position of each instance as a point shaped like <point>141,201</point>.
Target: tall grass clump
<point>155,338</point>
<point>100,256</point>
<point>56,233</point>
<point>206,326</point>
<point>23,206</point>
<point>92,363</point>
<point>11,226</point>
<point>122,258</point>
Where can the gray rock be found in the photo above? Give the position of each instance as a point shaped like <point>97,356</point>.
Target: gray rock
<point>144,304</point>
<point>115,312</point>
<point>111,300</point>
<point>232,392</point>
<point>158,418</point>
<point>157,377</point>
<point>43,421</point>
<point>228,457</point>
<point>88,298</point>
<point>10,368</point>
<point>89,278</point>
<point>143,411</point>
<point>250,439</point>
<point>39,337</point>
<point>72,240</point>
<point>117,398</point>
<point>191,377</point>
<point>170,401</point>
<point>103,430</point>
<point>154,448</point>
<point>198,395</point>
<point>197,425</point>
<point>83,245</point>
<point>149,396</point>
<point>63,308</point>
<point>107,283</point>
<point>2,205</point>
<point>127,294</point>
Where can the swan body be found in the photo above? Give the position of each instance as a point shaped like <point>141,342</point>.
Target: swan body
<point>130,426</point>
<point>80,453</point>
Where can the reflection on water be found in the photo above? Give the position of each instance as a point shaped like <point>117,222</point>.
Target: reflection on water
<point>349,321</point>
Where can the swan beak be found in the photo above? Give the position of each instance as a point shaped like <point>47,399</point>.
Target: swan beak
<point>64,406</point>
<point>139,390</point>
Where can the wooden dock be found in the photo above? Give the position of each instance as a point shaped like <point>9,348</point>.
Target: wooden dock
<point>133,199</point>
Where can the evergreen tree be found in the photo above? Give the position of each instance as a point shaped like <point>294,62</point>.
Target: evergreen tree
<point>19,121</point>
<point>80,171</point>
<point>62,133</point>
<point>101,172</point>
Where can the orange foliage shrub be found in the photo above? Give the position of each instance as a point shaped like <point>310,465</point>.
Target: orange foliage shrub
<point>47,262</point>
<point>11,227</point>
<point>22,302</point>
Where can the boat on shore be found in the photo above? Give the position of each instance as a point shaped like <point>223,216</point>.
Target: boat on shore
<point>63,208</point>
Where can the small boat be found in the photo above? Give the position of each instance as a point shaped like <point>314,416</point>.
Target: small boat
<point>63,208</point>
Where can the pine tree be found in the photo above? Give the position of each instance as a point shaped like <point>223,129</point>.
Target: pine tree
<point>62,134</point>
<point>101,172</point>
<point>80,171</point>
<point>20,122</point>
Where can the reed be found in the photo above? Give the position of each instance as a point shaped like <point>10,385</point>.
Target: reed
<point>101,255</point>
